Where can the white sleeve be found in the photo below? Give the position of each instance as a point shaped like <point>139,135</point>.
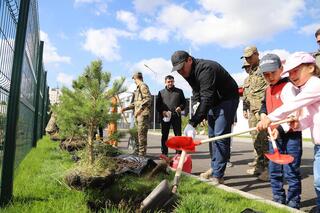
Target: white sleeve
<point>288,93</point>
<point>309,94</point>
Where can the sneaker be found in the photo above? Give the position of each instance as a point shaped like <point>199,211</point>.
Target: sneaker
<point>254,171</point>
<point>229,164</point>
<point>293,204</point>
<point>207,174</point>
<point>264,176</point>
<point>216,180</point>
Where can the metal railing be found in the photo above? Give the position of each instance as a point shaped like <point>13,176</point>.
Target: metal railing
<point>23,87</point>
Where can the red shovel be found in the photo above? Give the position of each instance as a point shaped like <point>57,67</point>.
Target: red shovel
<point>276,157</point>
<point>188,144</point>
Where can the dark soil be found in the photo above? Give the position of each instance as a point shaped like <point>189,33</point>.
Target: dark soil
<point>122,163</point>
<point>112,189</point>
<point>73,145</point>
<point>80,180</point>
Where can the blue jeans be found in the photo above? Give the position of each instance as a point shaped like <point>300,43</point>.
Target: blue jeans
<point>289,143</point>
<point>220,120</point>
<point>316,173</point>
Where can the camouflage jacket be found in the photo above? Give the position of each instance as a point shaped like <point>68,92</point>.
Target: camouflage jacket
<point>246,104</point>
<point>141,100</point>
<point>254,89</point>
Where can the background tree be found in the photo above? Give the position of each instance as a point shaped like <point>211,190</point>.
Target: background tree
<point>87,105</point>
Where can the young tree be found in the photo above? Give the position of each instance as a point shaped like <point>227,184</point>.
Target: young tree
<point>87,105</point>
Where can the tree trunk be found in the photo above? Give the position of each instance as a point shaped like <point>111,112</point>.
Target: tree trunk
<point>90,145</point>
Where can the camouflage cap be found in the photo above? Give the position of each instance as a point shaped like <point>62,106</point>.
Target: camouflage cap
<point>248,51</point>
<point>245,64</point>
<point>137,75</point>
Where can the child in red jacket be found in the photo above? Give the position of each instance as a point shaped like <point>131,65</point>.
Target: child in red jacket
<point>289,142</point>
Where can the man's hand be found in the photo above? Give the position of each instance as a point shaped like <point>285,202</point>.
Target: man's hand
<point>189,131</point>
<point>245,114</point>
<point>164,114</point>
<point>263,124</point>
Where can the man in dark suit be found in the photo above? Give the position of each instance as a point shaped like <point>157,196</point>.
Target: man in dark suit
<point>170,103</point>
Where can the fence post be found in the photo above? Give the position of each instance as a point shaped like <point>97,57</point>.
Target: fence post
<point>36,111</point>
<point>154,113</point>
<point>45,91</point>
<point>13,105</point>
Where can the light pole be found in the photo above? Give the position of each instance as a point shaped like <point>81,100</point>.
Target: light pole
<point>154,100</point>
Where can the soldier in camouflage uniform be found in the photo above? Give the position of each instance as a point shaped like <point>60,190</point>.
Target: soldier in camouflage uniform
<point>317,54</point>
<point>246,106</point>
<point>254,90</point>
<point>141,104</point>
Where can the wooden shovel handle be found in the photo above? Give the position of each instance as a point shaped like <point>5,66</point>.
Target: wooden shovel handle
<point>178,171</point>
<point>244,131</point>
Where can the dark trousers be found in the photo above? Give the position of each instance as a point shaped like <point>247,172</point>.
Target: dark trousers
<point>220,120</point>
<point>289,143</point>
<point>175,122</point>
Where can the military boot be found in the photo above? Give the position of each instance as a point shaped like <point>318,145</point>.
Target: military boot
<point>264,176</point>
<point>255,171</point>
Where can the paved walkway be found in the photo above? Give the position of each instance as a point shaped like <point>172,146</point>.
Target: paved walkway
<point>236,176</point>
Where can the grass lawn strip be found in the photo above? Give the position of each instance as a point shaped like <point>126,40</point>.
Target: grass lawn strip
<point>39,187</point>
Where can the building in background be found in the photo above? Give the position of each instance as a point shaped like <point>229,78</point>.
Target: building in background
<point>54,95</point>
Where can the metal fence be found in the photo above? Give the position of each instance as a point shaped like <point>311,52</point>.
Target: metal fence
<point>23,87</point>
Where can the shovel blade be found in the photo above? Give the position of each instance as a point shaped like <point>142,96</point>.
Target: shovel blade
<point>280,158</point>
<point>182,143</point>
<point>157,198</point>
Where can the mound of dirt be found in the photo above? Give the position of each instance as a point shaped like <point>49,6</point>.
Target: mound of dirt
<point>72,145</point>
<point>80,180</point>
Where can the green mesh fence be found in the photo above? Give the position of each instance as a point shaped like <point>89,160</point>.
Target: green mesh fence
<point>23,89</point>
<point>8,22</point>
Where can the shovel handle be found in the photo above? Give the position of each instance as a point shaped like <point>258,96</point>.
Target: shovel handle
<point>244,131</point>
<point>178,171</point>
<point>274,145</point>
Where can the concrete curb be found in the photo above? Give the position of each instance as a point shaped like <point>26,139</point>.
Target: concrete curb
<point>245,194</point>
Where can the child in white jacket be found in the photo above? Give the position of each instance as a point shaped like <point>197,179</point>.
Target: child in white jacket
<point>304,74</point>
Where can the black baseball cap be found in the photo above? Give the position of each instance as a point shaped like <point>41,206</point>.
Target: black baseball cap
<point>178,59</point>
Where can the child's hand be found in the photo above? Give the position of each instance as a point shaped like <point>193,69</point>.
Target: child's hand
<point>262,116</point>
<point>295,124</point>
<point>263,124</point>
<point>245,114</point>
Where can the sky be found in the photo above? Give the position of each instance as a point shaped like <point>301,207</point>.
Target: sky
<point>141,35</point>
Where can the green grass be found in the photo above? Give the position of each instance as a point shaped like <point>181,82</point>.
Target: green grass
<point>39,187</point>
<point>197,196</point>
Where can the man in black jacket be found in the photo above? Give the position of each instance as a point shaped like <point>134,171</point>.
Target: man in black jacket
<point>170,103</point>
<point>215,89</point>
